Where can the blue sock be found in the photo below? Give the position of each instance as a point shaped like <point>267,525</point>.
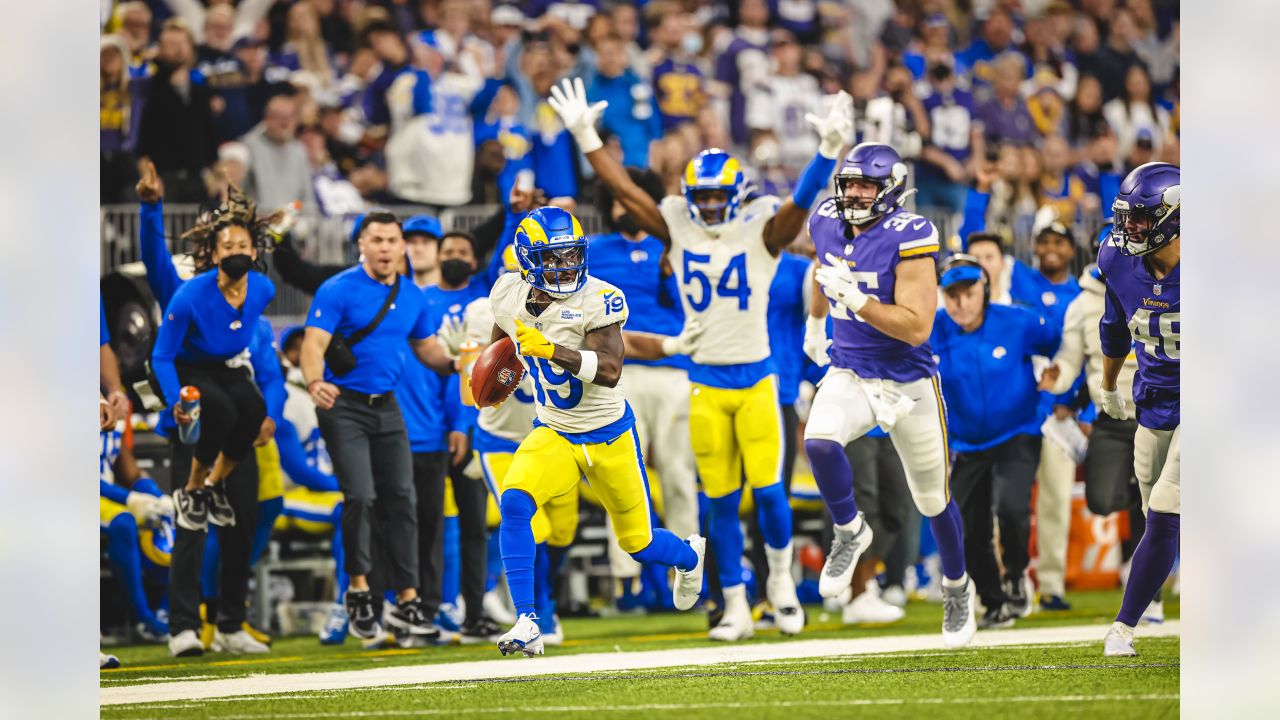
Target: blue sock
<point>668,550</point>
<point>341,578</point>
<point>726,536</point>
<point>209,568</point>
<point>126,562</point>
<point>834,476</point>
<point>494,570</point>
<point>268,511</point>
<point>518,549</point>
<point>947,531</point>
<point>1150,566</point>
<point>541,591</point>
<point>774,511</point>
<point>451,577</point>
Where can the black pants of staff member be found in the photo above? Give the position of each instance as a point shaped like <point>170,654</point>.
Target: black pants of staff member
<point>236,543</point>
<point>231,411</point>
<point>790,421</point>
<point>880,487</point>
<point>1109,483</point>
<point>372,461</point>
<point>996,480</point>
<point>471,496</point>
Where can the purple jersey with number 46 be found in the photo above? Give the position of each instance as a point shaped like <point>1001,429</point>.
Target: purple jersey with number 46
<point>873,257</point>
<point>1142,314</point>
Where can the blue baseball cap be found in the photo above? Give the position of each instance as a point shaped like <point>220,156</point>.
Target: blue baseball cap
<point>424,225</point>
<point>960,274</point>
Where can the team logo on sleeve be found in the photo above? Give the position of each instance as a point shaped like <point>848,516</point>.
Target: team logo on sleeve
<point>613,302</point>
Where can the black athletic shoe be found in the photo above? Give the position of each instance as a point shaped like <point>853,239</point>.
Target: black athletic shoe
<point>220,512</point>
<point>410,617</point>
<point>1018,604</point>
<point>362,611</point>
<point>996,617</point>
<point>482,630</point>
<point>192,509</point>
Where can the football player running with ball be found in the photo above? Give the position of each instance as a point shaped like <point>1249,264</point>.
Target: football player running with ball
<point>568,329</point>
<point>724,243</point>
<point>877,273</point>
<point>1140,267</point>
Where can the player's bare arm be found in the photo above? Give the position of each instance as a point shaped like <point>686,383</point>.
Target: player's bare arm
<point>915,302</point>
<point>785,226</point>
<point>648,346</point>
<point>431,352</point>
<point>569,100</point>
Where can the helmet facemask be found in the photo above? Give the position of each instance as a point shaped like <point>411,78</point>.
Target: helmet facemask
<point>559,267</point>
<point>856,205</point>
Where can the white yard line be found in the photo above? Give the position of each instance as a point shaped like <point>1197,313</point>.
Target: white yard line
<point>593,662</point>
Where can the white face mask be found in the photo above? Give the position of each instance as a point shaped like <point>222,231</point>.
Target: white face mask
<point>293,375</point>
<point>691,43</point>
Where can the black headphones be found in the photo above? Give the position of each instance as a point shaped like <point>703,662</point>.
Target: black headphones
<point>965,260</point>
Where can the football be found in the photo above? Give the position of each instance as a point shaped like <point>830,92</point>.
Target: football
<point>496,374</point>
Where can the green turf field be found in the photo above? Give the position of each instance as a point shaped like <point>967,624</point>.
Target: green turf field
<point>1014,681</point>
<point>151,663</point>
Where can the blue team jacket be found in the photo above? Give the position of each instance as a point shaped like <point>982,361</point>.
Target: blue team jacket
<point>987,379</point>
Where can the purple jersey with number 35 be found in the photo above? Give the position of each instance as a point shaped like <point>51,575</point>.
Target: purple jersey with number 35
<point>1142,314</point>
<point>873,257</point>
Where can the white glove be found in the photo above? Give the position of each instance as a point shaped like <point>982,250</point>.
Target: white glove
<point>836,128</point>
<point>837,279</point>
<point>1113,404</point>
<point>686,341</point>
<point>815,340</point>
<point>451,334</point>
<point>569,100</point>
<point>147,508</point>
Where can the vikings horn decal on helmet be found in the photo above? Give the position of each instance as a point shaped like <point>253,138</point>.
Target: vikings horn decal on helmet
<point>714,170</point>
<point>877,163</point>
<point>551,249</point>
<point>1148,209</point>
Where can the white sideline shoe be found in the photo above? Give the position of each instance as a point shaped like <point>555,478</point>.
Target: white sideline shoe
<point>186,644</point>
<point>237,643</point>
<point>788,615</point>
<point>870,608</point>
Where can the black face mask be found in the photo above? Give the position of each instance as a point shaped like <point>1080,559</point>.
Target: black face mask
<point>626,225</point>
<point>235,266</point>
<point>455,272</point>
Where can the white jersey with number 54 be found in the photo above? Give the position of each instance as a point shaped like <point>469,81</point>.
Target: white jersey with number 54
<point>724,279</point>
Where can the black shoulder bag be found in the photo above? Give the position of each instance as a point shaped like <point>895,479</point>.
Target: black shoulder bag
<point>339,357</point>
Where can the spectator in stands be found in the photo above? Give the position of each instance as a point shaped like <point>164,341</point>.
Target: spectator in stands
<point>245,16</point>
<point>335,195</point>
<point>503,148</point>
<point>261,81</point>
<point>135,27</point>
<point>1159,54</point>
<point>995,39</point>
<point>1116,57</point>
<point>1135,112</point>
<point>225,73</point>
<point>1060,187</point>
<point>932,49</point>
<point>1047,57</point>
<point>954,140</point>
<point>554,155</point>
<point>120,99</point>
<point>630,116</point>
<point>779,101</point>
<point>362,424</point>
<point>744,63</point>
<point>176,131</point>
<point>626,23</point>
<point>1084,112</point>
<point>678,83</point>
<point>304,48</point>
<point>985,361</point>
<point>279,171</point>
<point>1045,104</point>
<point>1004,118</point>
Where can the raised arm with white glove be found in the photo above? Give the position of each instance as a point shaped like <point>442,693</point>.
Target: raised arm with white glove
<point>569,100</point>
<point>837,279</point>
<point>836,128</point>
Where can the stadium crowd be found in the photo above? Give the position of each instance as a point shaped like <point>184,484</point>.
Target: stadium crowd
<point>1017,118</point>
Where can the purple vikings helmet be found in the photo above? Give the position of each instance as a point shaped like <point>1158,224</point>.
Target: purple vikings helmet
<point>880,164</point>
<point>1148,208</point>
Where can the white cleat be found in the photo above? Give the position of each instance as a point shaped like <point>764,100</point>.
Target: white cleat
<point>737,623</point>
<point>848,545</point>
<point>688,585</point>
<point>186,644</point>
<point>895,595</point>
<point>1119,641</point>
<point>525,638</point>
<point>958,621</point>
<point>237,643</point>
<point>496,608</point>
<point>788,615</point>
<point>1154,614</point>
<point>870,608</point>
